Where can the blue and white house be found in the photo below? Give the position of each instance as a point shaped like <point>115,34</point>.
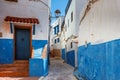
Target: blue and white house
<point>56,36</point>
<point>24,28</point>
<point>71,28</point>
<point>99,40</point>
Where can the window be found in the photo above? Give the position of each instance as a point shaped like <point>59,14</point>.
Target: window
<point>71,16</point>
<point>71,45</point>
<point>56,29</point>
<point>55,40</point>
<point>12,0</point>
<point>58,40</point>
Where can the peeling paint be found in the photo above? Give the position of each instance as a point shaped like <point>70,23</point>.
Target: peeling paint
<point>90,3</point>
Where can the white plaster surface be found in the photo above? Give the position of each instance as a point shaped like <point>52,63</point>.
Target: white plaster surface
<point>26,9</point>
<point>56,36</point>
<point>101,24</point>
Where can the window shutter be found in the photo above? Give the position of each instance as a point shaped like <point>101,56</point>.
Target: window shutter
<point>34,29</point>
<point>58,39</point>
<point>58,29</point>
<point>55,40</point>
<point>11,27</point>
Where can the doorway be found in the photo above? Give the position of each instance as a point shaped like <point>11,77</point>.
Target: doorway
<point>22,44</point>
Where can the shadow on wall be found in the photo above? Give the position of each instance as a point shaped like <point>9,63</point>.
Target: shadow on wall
<point>38,65</point>
<point>38,46</point>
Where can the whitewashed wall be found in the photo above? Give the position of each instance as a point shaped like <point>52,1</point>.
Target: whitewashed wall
<point>25,9</point>
<point>73,27</point>
<point>102,23</point>
<point>62,38</point>
<point>55,36</point>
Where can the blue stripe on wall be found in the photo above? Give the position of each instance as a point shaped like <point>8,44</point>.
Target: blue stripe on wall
<point>71,58</point>
<point>6,51</point>
<point>100,62</point>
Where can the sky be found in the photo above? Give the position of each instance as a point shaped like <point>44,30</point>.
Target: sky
<point>58,4</point>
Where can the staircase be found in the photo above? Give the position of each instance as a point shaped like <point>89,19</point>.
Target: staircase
<point>20,68</point>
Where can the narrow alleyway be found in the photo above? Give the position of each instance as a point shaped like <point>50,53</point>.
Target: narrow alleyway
<point>57,71</point>
<point>60,71</point>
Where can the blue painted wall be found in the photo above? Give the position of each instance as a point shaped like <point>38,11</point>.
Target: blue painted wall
<point>38,66</point>
<point>6,51</point>
<point>63,54</point>
<point>100,62</point>
<point>70,58</point>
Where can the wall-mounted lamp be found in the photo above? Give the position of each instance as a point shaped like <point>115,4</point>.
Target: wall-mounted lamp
<point>57,13</point>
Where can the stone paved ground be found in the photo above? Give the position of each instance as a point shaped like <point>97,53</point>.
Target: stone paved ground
<point>58,71</point>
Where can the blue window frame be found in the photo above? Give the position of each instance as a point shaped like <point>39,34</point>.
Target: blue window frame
<point>11,27</point>
<point>58,40</point>
<point>56,29</point>
<point>55,40</point>
<point>34,29</point>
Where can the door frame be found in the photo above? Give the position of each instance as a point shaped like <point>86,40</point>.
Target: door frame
<point>22,27</point>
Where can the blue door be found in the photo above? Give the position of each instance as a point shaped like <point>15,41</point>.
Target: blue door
<point>22,44</point>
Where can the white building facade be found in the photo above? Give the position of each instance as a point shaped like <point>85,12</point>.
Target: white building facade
<point>56,36</point>
<point>69,50</point>
<point>24,27</point>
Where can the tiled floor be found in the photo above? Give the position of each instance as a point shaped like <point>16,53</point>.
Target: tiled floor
<point>57,71</point>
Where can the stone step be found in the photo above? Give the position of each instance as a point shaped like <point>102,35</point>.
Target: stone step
<point>13,68</point>
<point>20,68</point>
<point>14,74</point>
<point>16,63</point>
<point>21,61</point>
<point>13,65</point>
